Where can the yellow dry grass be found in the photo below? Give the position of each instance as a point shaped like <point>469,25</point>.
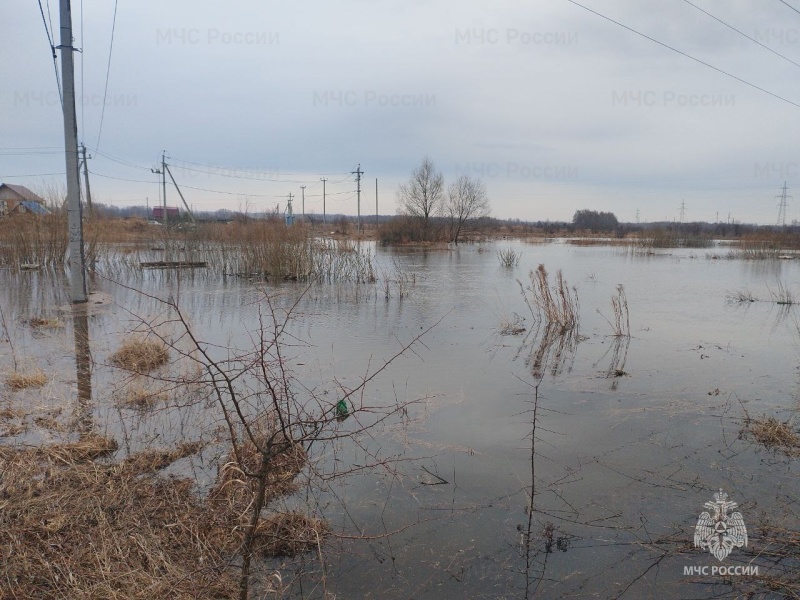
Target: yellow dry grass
<point>140,355</point>
<point>289,534</point>
<point>774,434</point>
<point>140,398</point>
<point>40,322</point>
<point>21,381</point>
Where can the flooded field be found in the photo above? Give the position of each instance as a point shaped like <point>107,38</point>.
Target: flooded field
<point>521,464</point>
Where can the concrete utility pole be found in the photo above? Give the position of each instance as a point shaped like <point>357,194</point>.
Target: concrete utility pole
<point>163,173</point>
<point>358,173</point>
<point>180,193</point>
<point>164,182</point>
<point>323,180</point>
<point>782,205</point>
<point>77,265</point>
<point>289,213</point>
<point>86,179</point>
<point>303,192</point>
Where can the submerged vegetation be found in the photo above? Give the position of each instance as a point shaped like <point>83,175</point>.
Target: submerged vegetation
<point>557,306</point>
<point>509,257</point>
<point>140,355</point>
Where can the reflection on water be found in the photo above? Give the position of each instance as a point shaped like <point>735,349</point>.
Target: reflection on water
<point>573,464</point>
<point>83,369</point>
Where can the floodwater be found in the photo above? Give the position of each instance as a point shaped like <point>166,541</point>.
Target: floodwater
<point>631,436</point>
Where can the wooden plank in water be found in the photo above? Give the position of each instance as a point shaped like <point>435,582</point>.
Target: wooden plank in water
<point>163,264</point>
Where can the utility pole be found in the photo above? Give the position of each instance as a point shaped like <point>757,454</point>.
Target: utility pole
<point>782,206</point>
<point>175,183</point>
<point>289,213</point>
<point>77,264</point>
<point>303,191</point>
<point>163,173</point>
<point>86,179</point>
<point>358,173</point>
<point>164,182</point>
<point>683,210</point>
<point>323,180</point>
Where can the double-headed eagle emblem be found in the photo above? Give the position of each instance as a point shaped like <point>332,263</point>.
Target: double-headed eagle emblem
<point>721,532</point>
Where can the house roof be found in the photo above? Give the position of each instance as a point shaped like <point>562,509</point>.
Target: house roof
<point>35,207</point>
<point>23,192</point>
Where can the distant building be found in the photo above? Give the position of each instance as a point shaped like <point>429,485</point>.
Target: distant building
<point>172,213</point>
<point>17,199</point>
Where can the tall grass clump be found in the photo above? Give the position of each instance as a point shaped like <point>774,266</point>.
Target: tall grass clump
<point>33,239</point>
<point>140,355</point>
<point>619,306</point>
<point>509,257</point>
<point>556,306</point>
<point>271,250</point>
<point>783,295</point>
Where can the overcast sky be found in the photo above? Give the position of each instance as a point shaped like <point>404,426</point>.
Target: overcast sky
<point>555,108</point>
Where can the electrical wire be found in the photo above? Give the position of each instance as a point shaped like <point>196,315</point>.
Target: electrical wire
<point>240,170</point>
<point>702,62</point>
<point>33,175</point>
<point>786,58</point>
<point>790,6</point>
<point>53,50</point>
<point>108,71</point>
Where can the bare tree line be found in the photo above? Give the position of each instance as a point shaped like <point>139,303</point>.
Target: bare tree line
<point>424,196</point>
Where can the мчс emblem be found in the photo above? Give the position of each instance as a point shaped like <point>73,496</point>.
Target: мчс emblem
<point>720,532</point>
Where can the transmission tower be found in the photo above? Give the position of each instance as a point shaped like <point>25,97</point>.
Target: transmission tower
<point>683,210</point>
<point>782,205</point>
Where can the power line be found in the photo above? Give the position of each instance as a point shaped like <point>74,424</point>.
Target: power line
<point>108,71</point>
<point>744,34</point>
<point>702,62</point>
<point>52,49</point>
<point>33,175</point>
<point>208,166</point>
<point>790,6</point>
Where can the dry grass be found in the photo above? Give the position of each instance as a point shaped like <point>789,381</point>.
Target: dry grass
<point>140,398</point>
<point>783,295</point>
<point>84,530</point>
<point>20,381</point>
<point>73,527</point>
<point>773,434</point>
<point>289,534</point>
<point>140,355</point>
<point>741,296</point>
<point>235,485</point>
<point>41,322</point>
<point>558,306</point>
<point>509,257</point>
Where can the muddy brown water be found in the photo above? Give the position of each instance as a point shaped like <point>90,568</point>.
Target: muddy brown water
<point>632,437</point>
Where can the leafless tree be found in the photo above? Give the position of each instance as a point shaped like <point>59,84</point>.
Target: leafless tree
<point>423,195</point>
<point>466,199</point>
